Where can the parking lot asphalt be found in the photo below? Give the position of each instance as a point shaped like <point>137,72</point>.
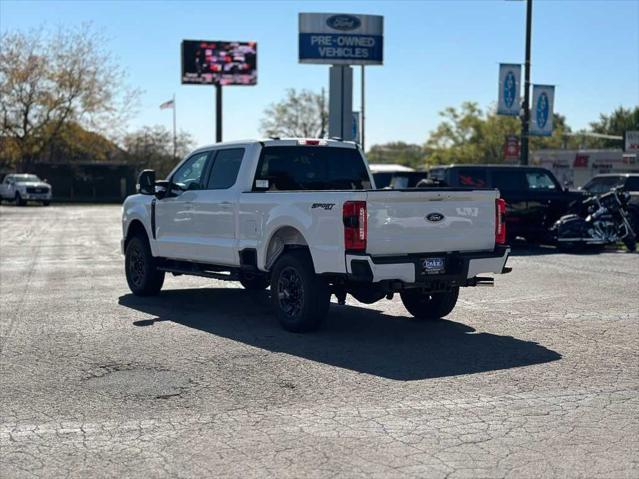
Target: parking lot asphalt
<point>536,377</point>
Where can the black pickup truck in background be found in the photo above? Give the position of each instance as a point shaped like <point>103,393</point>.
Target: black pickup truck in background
<point>534,197</point>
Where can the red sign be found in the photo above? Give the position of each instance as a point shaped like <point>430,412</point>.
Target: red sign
<point>511,147</point>
<point>581,161</point>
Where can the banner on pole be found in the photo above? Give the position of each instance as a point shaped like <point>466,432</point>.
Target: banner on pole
<point>509,88</point>
<point>543,99</point>
<point>356,127</point>
<point>511,148</point>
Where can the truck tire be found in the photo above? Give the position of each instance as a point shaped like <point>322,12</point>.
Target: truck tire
<point>431,306</point>
<point>19,200</point>
<point>299,296</point>
<point>46,203</point>
<point>254,282</point>
<point>142,275</point>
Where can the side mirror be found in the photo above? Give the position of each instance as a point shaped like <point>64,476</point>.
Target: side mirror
<point>161,189</point>
<point>146,182</point>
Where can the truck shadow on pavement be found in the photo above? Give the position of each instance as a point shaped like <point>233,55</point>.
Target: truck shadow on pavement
<point>361,339</point>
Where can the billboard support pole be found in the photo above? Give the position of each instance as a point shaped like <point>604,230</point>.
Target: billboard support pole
<point>525,120</point>
<point>363,116</point>
<point>218,113</point>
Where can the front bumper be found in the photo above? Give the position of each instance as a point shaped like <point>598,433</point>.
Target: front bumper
<point>36,196</point>
<point>460,267</point>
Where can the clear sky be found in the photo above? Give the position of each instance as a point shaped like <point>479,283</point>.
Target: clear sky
<point>436,54</point>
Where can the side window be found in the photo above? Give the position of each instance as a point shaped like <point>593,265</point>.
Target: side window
<point>539,180</point>
<point>189,175</point>
<point>225,168</point>
<point>475,177</point>
<point>632,183</point>
<point>508,180</point>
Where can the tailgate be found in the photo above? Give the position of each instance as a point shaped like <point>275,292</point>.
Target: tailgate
<point>402,222</point>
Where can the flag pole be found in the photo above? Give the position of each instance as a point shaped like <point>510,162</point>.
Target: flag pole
<point>174,133</point>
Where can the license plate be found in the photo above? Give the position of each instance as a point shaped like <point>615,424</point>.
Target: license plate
<point>433,265</point>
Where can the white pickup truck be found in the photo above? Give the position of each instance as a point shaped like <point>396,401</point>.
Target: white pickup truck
<point>303,216</point>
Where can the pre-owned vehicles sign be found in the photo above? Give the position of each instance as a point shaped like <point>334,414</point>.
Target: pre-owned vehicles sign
<point>341,39</point>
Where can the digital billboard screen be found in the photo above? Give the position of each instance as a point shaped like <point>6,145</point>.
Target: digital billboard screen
<point>225,63</point>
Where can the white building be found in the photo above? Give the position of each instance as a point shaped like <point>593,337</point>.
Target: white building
<point>575,167</point>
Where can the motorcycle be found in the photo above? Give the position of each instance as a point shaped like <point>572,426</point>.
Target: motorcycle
<point>604,219</point>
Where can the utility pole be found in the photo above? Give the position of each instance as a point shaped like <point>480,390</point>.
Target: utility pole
<point>362,116</point>
<point>525,120</point>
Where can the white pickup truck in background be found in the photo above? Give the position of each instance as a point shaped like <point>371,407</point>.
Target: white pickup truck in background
<point>21,188</point>
<point>304,217</point>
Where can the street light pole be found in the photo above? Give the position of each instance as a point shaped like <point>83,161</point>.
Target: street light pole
<point>525,120</point>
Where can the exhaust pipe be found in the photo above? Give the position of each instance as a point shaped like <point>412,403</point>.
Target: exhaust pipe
<point>480,281</point>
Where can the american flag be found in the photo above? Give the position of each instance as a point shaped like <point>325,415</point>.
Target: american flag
<point>167,104</point>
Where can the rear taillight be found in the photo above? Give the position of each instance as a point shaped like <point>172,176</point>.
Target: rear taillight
<point>500,221</point>
<point>354,215</point>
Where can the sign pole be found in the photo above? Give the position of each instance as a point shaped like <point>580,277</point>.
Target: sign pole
<point>174,131</point>
<point>218,113</point>
<point>525,121</point>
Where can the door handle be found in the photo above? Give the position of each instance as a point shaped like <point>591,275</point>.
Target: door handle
<point>226,204</point>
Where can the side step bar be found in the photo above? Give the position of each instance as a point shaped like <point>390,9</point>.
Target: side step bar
<point>199,269</point>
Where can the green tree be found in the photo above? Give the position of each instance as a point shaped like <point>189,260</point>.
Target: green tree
<point>616,123</point>
<point>469,134</point>
<point>397,152</point>
<point>301,114</point>
<point>50,80</point>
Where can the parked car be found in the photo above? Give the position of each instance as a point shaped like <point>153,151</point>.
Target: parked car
<point>408,179</point>
<point>534,197</point>
<point>25,187</point>
<point>604,183</point>
<point>383,173</point>
<point>628,182</point>
<point>300,216</point>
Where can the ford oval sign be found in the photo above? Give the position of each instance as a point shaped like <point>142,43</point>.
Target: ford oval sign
<point>510,86</point>
<point>344,23</point>
<point>434,217</point>
<point>542,110</point>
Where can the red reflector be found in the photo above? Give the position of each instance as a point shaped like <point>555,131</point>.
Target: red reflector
<point>355,225</point>
<point>500,221</point>
<point>312,142</point>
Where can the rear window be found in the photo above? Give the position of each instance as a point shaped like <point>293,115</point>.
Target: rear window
<point>475,177</point>
<point>602,184</point>
<point>290,168</point>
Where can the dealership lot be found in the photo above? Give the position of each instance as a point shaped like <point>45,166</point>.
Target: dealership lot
<point>538,376</point>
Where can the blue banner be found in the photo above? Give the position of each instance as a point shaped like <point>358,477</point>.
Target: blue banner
<point>340,48</point>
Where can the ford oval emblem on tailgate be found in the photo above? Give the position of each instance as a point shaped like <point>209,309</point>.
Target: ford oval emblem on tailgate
<point>434,217</point>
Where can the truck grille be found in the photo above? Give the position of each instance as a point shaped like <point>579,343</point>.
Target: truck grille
<point>34,189</point>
